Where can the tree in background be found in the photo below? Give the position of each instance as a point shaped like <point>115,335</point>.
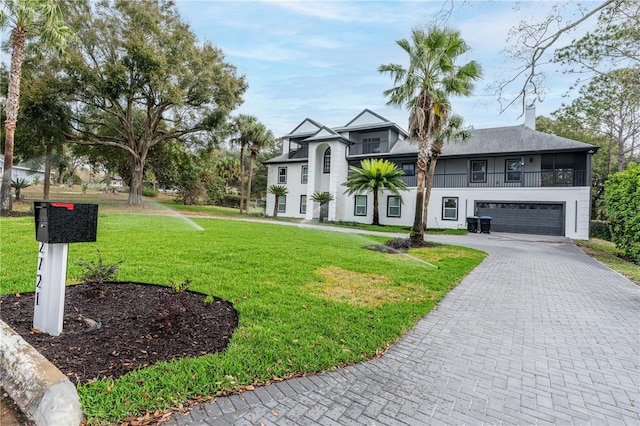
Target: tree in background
<point>139,78</point>
<point>262,138</point>
<point>278,191</point>
<point>622,197</point>
<point>42,18</point>
<point>610,105</point>
<point>424,87</point>
<point>375,175</point>
<point>613,44</point>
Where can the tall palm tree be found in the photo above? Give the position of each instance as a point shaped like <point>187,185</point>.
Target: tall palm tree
<point>453,132</point>
<point>323,198</point>
<point>25,17</point>
<point>424,87</point>
<point>261,138</point>
<point>278,191</point>
<point>375,175</point>
<point>244,127</point>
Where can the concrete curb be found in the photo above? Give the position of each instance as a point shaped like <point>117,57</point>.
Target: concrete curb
<point>41,391</point>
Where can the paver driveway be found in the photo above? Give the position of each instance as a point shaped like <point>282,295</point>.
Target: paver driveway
<point>538,333</point>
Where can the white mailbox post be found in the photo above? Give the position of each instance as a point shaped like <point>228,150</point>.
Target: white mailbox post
<point>57,225</point>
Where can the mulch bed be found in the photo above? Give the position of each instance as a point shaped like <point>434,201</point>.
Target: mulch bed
<point>139,325</point>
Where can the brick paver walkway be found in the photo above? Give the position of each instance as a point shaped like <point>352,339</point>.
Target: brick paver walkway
<point>538,333</point>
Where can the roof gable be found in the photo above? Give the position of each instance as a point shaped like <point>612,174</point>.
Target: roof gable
<point>307,126</point>
<point>366,117</point>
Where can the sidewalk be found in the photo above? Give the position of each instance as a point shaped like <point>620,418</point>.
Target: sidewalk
<point>538,333</point>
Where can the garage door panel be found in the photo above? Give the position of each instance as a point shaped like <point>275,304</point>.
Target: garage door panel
<point>524,218</point>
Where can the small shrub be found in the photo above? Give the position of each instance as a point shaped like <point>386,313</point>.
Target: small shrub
<point>172,306</point>
<point>98,273</point>
<point>600,229</point>
<point>149,192</point>
<point>84,187</point>
<point>208,301</point>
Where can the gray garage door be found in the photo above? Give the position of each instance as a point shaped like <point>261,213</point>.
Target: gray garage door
<point>524,218</point>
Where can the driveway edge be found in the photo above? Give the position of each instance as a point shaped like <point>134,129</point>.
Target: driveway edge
<point>42,392</point>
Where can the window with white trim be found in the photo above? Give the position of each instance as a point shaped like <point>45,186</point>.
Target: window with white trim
<point>282,175</point>
<point>450,208</point>
<point>303,204</point>
<point>393,206</point>
<point>360,208</point>
<point>282,204</point>
<point>304,173</point>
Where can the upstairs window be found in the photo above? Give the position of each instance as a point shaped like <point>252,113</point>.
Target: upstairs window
<point>282,175</point>
<point>479,171</point>
<point>304,173</point>
<point>326,168</point>
<point>512,170</point>
<point>409,169</point>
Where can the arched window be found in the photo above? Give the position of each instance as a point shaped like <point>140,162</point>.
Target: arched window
<point>326,168</point>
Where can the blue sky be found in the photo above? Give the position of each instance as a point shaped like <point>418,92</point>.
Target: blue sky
<point>319,59</point>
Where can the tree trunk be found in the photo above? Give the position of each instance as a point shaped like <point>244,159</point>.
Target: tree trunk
<point>275,207</point>
<point>376,214</point>
<point>417,233</point>
<point>135,189</point>
<point>47,172</point>
<point>251,160</point>
<point>13,102</point>
<point>6,204</point>
<point>242,180</point>
<point>427,193</point>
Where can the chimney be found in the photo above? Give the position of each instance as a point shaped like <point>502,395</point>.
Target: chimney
<point>530,116</point>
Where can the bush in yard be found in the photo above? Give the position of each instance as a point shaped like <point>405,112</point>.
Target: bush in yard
<point>149,192</point>
<point>600,229</point>
<point>622,201</point>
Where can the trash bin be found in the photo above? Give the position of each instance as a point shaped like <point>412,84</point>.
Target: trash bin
<point>485,224</point>
<point>59,223</point>
<point>472,224</point>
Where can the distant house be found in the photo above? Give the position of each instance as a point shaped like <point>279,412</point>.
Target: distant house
<point>23,172</point>
<point>528,181</point>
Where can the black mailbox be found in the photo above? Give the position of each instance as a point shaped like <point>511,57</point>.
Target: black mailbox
<point>58,223</point>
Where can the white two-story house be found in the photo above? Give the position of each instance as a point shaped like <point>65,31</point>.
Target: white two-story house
<point>527,181</point>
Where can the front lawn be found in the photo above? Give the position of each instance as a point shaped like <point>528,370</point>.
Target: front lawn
<point>308,300</point>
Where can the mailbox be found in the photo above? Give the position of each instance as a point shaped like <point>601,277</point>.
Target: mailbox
<point>58,223</point>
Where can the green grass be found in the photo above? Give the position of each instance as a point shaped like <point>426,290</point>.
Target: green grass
<point>607,253</point>
<point>275,276</point>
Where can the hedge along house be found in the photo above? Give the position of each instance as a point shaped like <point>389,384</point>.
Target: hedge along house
<point>528,181</point>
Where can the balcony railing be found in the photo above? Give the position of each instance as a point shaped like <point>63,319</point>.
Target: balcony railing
<point>369,148</point>
<point>545,178</point>
<point>303,152</point>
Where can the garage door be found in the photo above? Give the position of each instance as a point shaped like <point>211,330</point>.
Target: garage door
<point>524,218</point>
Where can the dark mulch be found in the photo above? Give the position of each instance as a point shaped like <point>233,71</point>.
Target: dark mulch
<point>140,325</point>
<point>400,245</point>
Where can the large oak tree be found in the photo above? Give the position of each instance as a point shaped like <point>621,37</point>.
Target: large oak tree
<point>138,77</point>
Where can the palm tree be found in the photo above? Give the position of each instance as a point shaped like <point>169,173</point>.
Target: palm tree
<point>19,184</point>
<point>453,132</point>
<point>424,88</point>
<point>41,17</point>
<point>278,191</point>
<point>324,198</point>
<point>244,127</point>
<point>375,175</point>
<point>260,138</point>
